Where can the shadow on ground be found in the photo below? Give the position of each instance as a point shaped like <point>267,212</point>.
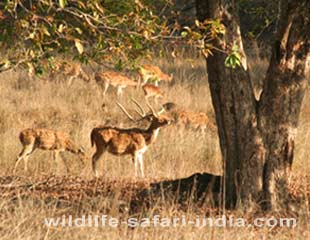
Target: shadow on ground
<point>126,195</point>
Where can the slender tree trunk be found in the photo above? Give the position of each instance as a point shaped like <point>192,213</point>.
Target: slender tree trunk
<point>257,137</point>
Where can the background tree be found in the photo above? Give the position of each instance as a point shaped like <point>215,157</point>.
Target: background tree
<point>109,32</point>
<point>101,31</point>
<point>257,135</point>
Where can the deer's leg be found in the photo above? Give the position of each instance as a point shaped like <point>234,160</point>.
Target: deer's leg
<point>139,82</point>
<point>145,80</point>
<point>106,86</point>
<point>140,159</point>
<point>202,129</point>
<point>95,158</point>
<point>70,80</point>
<point>18,159</point>
<point>156,100</point>
<point>57,155</point>
<point>81,159</point>
<point>24,155</point>
<point>119,92</point>
<point>135,161</point>
<point>26,162</point>
<point>64,161</point>
<point>55,158</point>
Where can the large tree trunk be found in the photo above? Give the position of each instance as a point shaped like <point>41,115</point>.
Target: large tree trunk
<point>257,137</point>
<point>280,102</point>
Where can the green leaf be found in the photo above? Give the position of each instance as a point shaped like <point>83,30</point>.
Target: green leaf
<point>184,34</point>
<point>237,55</point>
<point>31,35</point>
<point>45,31</point>
<point>197,23</point>
<point>235,48</point>
<point>5,64</point>
<point>61,28</point>
<point>229,62</point>
<point>79,46</point>
<point>62,3</point>
<point>78,30</point>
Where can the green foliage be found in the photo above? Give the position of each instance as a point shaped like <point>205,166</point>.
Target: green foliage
<point>62,3</point>
<point>34,33</point>
<point>257,17</point>
<point>101,31</point>
<point>233,59</point>
<point>202,34</point>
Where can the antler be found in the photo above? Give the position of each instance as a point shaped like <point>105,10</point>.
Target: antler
<point>152,109</point>
<point>125,111</point>
<point>142,113</point>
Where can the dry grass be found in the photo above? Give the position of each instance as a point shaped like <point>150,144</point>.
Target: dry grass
<point>177,153</point>
<point>77,109</point>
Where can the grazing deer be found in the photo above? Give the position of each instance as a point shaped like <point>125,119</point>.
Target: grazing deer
<point>71,69</point>
<point>190,119</point>
<point>133,141</point>
<point>115,79</point>
<point>153,91</point>
<point>45,139</point>
<point>149,72</point>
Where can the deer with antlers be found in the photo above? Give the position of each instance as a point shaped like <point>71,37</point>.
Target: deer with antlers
<point>133,141</point>
<point>46,139</point>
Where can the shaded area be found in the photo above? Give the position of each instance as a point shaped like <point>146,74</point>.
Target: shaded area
<point>198,188</point>
<point>124,195</point>
<point>130,192</point>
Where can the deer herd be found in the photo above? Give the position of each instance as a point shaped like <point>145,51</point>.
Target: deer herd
<point>117,141</point>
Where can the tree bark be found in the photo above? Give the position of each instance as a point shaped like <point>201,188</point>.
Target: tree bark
<point>257,137</point>
<point>280,102</point>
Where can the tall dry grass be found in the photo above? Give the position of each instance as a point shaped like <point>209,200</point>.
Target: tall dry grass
<point>78,108</point>
<point>177,153</point>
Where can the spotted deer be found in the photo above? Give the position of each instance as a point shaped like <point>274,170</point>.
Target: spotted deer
<point>190,119</point>
<point>133,141</point>
<point>152,91</point>
<point>69,69</point>
<point>115,79</point>
<point>46,139</point>
<point>149,73</point>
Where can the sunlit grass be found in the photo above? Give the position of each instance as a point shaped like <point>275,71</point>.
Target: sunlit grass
<point>177,153</point>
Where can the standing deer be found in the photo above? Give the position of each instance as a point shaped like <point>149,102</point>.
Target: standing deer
<point>152,91</point>
<point>133,141</point>
<point>45,139</point>
<point>115,79</point>
<point>184,118</point>
<point>149,72</point>
<point>71,69</point>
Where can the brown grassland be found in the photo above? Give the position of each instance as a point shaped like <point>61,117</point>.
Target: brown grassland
<point>177,153</point>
